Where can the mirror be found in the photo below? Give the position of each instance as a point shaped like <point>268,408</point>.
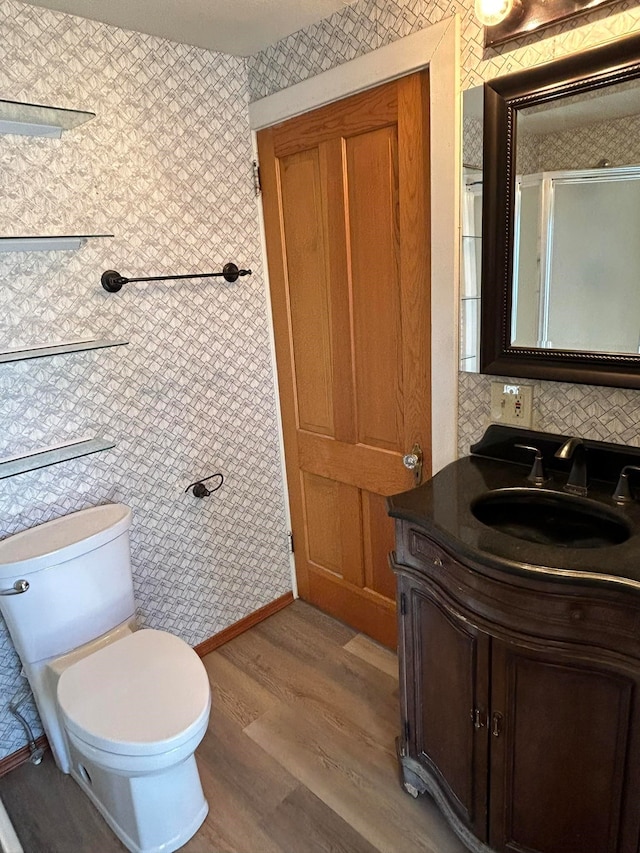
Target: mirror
<point>471,230</point>
<point>561,220</point>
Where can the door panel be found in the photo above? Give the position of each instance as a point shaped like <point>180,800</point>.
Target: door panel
<point>322,512</point>
<point>378,544</point>
<point>450,682</point>
<point>309,300</point>
<point>351,310</point>
<point>342,119</point>
<point>376,471</point>
<point>373,242</point>
<point>558,762</point>
<point>334,527</point>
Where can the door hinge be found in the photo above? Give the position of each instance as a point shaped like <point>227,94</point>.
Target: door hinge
<point>403,604</point>
<point>290,538</point>
<point>407,731</point>
<point>257,186</point>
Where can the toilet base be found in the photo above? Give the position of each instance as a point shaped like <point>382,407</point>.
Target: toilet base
<point>150,813</point>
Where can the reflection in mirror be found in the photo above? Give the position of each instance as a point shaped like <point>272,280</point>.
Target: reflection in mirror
<point>471,216</point>
<point>561,219</point>
<point>576,256</point>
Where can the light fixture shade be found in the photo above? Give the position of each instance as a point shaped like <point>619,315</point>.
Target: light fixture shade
<point>492,12</point>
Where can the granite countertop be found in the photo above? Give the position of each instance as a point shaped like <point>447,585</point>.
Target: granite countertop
<point>442,507</point>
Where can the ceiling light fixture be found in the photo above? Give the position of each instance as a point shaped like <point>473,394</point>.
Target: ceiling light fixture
<point>505,20</point>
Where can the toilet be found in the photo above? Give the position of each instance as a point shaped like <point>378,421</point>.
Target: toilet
<point>123,709</point>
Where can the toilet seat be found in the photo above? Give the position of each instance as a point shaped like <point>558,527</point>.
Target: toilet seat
<point>145,694</point>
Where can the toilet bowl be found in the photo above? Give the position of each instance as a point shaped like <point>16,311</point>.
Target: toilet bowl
<point>134,713</point>
<point>124,709</point>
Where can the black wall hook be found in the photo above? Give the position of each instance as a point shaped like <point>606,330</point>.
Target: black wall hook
<point>199,489</point>
<point>112,281</point>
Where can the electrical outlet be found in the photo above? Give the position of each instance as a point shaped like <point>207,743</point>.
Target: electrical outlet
<point>512,404</point>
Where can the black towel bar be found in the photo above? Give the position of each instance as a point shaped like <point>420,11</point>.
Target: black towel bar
<point>112,281</point>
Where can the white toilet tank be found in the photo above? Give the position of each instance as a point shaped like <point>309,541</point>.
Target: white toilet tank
<point>80,585</point>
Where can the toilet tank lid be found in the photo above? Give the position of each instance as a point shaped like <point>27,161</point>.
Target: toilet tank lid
<point>62,539</point>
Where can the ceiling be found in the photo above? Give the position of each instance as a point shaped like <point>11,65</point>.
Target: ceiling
<point>238,27</point>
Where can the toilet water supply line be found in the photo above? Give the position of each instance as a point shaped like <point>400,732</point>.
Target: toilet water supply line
<point>36,753</point>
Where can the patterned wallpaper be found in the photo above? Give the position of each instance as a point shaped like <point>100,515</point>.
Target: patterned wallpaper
<point>590,411</point>
<point>369,24</point>
<point>593,412</point>
<point>583,148</point>
<point>617,141</point>
<point>165,167</point>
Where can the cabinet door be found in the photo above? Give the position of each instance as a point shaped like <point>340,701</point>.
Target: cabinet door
<point>449,694</point>
<point>563,750</point>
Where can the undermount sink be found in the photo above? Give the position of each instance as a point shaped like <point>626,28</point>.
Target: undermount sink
<point>550,518</point>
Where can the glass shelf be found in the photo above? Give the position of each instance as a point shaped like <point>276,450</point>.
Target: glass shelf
<point>50,243</point>
<point>52,456</point>
<point>39,120</point>
<point>44,350</point>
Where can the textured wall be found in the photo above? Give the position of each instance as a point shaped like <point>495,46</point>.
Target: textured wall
<point>583,148</point>
<point>165,166</point>
<point>369,24</point>
<point>590,411</point>
<point>594,412</point>
<point>579,148</point>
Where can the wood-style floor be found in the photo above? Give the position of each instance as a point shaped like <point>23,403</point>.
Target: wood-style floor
<point>299,756</point>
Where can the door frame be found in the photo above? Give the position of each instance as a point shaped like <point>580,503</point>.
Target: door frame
<point>436,47</point>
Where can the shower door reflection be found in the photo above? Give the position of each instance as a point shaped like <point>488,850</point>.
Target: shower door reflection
<point>576,259</point>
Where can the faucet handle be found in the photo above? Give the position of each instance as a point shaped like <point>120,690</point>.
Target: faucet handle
<point>538,475</point>
<point>622,492</point>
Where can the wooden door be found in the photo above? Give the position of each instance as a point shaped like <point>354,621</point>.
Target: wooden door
<point>448,703</point>
<point>346,204</point>
<point>564,753</point>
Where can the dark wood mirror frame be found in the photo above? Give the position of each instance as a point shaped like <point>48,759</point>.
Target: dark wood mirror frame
<point>593,69</point>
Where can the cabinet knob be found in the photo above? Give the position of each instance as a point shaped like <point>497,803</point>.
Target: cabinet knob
<point>496,724</point>
<point>478,718</point>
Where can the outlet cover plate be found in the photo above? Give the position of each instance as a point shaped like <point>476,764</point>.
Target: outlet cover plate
<point>512,404</point>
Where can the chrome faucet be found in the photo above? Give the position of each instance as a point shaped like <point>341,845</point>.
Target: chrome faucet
<point>574,448</point>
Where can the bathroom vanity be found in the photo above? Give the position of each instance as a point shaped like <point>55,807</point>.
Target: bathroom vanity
<point>519,648</point>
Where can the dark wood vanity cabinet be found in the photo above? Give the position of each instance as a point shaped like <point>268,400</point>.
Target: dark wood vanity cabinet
<point>520,703</point>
